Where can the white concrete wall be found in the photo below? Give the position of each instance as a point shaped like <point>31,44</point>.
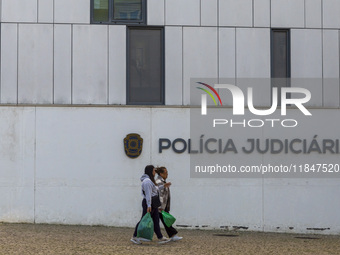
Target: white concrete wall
<point>174,65</point>
<point>199,56</point>
<point>9,64</point>
<point>236,13</point>
<point>253,61</point>
<point>331,68</point>
<point>62,64</point>
<point>215,38</point>
<point>306,62</point>
<point>90,64</point>
<point>19,10</point>
<point>287,13</point>
<point>35,64</point>
<point>330,15</point>
<point>67,165</point>
<point>17,164</point>
<point>178,12</point>
<point>262,13</point>
<point>45,11</point>
<point>209,8</point>
<point>72,11</point>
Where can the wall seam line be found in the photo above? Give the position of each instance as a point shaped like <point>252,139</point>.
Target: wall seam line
<point>18,53</point>
<point>53,66</point>
<point>253,13</point>
<point>35,163</point>
<point>72,63</point>
<point>37,11</point>
<point>182,65</point>
<point>108,66</point>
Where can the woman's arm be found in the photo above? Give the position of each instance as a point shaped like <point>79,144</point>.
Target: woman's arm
<point>147,188</point>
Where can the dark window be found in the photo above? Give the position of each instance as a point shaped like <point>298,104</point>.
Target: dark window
<point>280,59</point>
<point>118,11</point>
<point>145,65</point>
<point>280,53</point>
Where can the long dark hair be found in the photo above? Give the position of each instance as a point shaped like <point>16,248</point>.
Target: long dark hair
<point>148,170</point>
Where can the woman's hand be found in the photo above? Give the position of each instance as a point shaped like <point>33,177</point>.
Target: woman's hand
<point>149,209</point>
<point>167,185</point>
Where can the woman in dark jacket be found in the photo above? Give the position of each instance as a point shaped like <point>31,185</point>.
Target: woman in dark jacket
<point>164,195</point>
<point>149,189</point>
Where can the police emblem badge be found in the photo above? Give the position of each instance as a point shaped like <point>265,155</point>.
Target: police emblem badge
<point>133,145</point>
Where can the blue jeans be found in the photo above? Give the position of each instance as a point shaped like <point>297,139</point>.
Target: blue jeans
<point>155,218</point>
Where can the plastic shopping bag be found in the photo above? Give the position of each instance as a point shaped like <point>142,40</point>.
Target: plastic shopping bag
<point>168,218</point>
<point>145,227</point>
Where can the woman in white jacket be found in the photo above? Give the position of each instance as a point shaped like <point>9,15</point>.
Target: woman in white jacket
<point>149,189</point>
<point>164,195</point>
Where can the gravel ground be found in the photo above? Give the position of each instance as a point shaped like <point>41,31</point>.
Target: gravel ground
<point>58,239</point>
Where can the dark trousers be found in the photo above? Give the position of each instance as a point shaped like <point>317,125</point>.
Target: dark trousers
<point>171,231</point>
<point>155,219</point>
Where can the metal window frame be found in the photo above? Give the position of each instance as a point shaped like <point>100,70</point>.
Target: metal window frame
<point>111,21</point>
<point>288,64</point>
<point>162,55</point>
<point>273,30</point>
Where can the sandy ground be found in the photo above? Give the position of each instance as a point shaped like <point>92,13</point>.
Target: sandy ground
<point>56,239</point>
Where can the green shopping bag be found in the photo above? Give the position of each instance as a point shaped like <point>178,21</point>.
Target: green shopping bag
<point>145,227</point>
<point>168,218</point>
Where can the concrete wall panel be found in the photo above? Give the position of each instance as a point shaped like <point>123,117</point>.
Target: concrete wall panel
<point>227,54</point>
<point>19,10</point>
<point>173,65</point>
<point>306,62</point>
<point>155,12</point>
<point>90,64</point>
<point>306,53</point>
<point>298,201</point>
<point>253,52</point>
<point>72,11</point>
<point>35,66</point>
<point>288,13</point>
<point>90,168</point>
<point>45,11</point>
<point>117,64</point>
<point>184,13</point>
<point>94,138</point>
<point>227,61</point>
<point>236,13</point>
<point>209,12</point>
<point>331,68</point>
<point>62,64</point>
<point>199,56</point>
<point>17,164</point>
<point>253,62</point>
<point>313,13</point>
<point>331,10</point>
<point>9,64</point>
<point>261,13</point>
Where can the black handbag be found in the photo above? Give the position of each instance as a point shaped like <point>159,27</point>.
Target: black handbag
<point>155,201</point>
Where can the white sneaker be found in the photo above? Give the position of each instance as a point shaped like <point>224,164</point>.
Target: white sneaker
<point>176,238</point>
<point>143,239</point>
<point>163,240</point>
<point>135,240</point>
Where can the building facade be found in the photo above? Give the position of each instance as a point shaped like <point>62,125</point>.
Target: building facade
<point>77,76</point>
